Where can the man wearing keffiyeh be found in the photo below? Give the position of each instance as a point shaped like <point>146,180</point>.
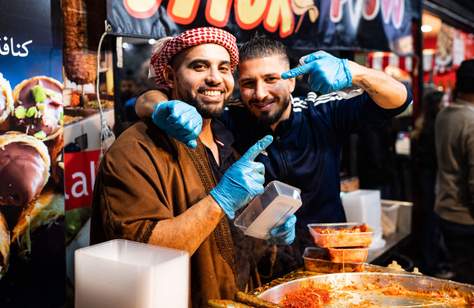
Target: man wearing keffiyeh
<point>153,189</point>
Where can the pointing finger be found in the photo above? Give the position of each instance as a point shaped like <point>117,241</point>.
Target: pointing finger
<point>312,57</point>
<point>297,71</point>
<point>258,147</point>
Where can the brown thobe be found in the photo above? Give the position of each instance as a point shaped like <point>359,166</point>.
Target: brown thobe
<point>146,177</point>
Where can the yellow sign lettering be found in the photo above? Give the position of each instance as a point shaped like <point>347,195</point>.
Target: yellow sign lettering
<point>280,15</point>
<point>183,11</point>
<point>218,11</point>
<point>250,13</point>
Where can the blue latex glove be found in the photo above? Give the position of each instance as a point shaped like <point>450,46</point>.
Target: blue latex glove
<point>178,120</point>
<point>326,72</point>
<point>242,181</point>
<point>285,233</point>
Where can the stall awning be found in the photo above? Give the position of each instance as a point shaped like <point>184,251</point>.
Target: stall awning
<point>303,25</point>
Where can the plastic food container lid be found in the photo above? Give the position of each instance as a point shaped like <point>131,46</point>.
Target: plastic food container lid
<point>271,209</point>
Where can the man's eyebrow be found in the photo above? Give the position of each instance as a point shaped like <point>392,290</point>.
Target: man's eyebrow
<point>246,79</point>
<point>199,61</point>
<point>272,75</point>
<point>207,61</point>
<point>264,76</point>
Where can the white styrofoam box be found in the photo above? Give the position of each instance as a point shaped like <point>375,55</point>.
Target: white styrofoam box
<point>364,206</point>
<point>126,274</point>
<point>389,218</point>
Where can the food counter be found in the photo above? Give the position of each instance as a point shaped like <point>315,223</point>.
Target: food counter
<point>401,232</point>
<point>373,287</point>
<point>355,284</point>
<point>391,242</point>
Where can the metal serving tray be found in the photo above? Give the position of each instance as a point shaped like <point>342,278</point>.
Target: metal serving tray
<point>372,289</point>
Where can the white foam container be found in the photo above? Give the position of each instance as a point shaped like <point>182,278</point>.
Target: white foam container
<point>271,209</point>
<point>390,218</point>
<point>365,206</point>
<point>126,274</point>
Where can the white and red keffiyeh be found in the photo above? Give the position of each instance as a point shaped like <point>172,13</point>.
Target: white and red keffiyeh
<point>169,47</point>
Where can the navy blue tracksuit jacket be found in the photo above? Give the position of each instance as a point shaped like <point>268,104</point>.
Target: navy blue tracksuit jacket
<point>306,149</point>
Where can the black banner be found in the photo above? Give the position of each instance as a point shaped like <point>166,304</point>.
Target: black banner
<point>301,24</point>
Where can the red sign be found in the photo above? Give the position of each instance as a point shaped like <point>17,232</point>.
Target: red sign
<point>80,169</point>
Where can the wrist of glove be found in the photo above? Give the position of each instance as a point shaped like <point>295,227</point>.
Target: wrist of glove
<point>326,72</point>
<point>179,120</point>
<point>284,234</point>
<point>240,184</point>
<point>227,203</point>
<point>242,181</point>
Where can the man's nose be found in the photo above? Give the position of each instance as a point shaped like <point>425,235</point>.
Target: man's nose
<point>214,76</point>
<point>260,91</point>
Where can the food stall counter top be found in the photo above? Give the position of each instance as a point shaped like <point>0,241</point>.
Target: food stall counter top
<point>390,242</point>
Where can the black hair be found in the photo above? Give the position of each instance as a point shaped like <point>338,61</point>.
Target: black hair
<point>261,46</point>
<point>432,101</point>
<point>465,77</point>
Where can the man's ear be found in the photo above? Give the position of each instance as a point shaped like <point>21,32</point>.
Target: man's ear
<point>169,75</point>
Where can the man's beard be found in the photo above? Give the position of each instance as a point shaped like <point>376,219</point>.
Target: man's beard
<point>269,119</point>
<point>206,111</point>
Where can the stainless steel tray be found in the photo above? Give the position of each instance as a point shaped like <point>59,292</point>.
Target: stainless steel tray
<point>370,290</point>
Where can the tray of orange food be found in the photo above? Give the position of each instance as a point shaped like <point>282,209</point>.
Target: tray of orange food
<point>341,235</point>
<point>370,290</point>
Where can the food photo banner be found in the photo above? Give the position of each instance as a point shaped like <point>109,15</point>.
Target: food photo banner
<point>305,25</point>
<point>31,144</point>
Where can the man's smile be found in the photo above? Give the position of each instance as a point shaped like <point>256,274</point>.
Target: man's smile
<point>263,106</point>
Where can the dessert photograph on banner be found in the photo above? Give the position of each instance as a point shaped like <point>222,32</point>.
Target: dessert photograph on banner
<point>31,156</point>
